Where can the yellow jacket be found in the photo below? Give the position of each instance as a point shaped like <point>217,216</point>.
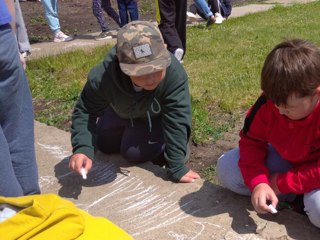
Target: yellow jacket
<point>47,216</point>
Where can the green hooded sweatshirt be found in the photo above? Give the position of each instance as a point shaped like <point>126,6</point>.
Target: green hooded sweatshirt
<point>108,86</point>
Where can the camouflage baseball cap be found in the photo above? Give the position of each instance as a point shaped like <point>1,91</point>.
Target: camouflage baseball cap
<point>141,49</point>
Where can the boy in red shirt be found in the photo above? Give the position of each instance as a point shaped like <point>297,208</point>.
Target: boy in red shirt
<point>279,147</point>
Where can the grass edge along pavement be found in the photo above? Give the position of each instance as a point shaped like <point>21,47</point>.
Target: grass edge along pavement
<point>224,69</point>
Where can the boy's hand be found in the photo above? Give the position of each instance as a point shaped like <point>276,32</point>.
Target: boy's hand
<point>78,161</point>
<point>261,195</point>
<point>189,177</point>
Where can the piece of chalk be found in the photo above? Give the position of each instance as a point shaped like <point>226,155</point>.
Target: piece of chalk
<point>83,173</point>
<point>273,210</point>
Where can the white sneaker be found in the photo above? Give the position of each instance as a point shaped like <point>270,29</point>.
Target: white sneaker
<point>219,18</point>
<point>192,16</point>
<point>178,53</point>
<point>61,37</point>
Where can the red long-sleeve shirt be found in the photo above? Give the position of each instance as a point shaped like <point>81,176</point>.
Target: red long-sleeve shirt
<point>297,141</point>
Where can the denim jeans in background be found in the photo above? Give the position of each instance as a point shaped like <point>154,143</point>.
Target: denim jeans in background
<point>18,168</point>
<point>203,6</point>
<point>51,13</point>
<point>125,7</point>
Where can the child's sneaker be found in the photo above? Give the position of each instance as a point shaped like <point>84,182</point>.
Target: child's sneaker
<point>61,37</point>
<point>211,20</point>
<point>26,54</point>
<point>191,16</point>
<point>219,18</point>
<point>103,36</point>
<point>178,53</point>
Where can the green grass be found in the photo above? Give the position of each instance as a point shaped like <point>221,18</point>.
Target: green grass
<point>223,63</point>
<point>56,83</point>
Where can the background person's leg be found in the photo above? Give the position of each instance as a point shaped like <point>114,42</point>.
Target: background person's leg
<point>97,12</point>
<point>203,7</point>
<point>106,5</point>
<point>181,23</point>
<point>51,14</point>
<point>22,35</point>
<point>122,12</point>
<point>133,10</point>
<point>167,25</point>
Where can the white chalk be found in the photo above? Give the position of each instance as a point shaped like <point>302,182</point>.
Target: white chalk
<point>273,210</point>
<point>83,173</point>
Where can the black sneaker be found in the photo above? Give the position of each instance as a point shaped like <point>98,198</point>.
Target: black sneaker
<point>160,160</point>
<point>296,205</point>
<point>103,36</point>
<point>211,21</point>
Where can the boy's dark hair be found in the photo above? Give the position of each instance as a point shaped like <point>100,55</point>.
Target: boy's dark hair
<point>292,67</point>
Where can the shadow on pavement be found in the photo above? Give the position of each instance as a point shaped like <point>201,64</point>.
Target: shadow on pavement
<point>214,200</point>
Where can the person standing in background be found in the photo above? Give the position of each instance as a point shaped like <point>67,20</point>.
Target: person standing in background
<point>97,6</point>
<point>125,7</point>
<point>51,14</point>
<point>21,32</point>
<point>173,24</point>
<point>214,11</point>
<point>18,171</point>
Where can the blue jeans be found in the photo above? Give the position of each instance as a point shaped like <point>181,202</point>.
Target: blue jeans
<point>125,7</point>
<point>18,171</point>
<point>230,177</point>
<point>51,13</point>
<point>202,5</point>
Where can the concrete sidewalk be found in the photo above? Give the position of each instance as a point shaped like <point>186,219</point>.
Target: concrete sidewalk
<point>142,201</point>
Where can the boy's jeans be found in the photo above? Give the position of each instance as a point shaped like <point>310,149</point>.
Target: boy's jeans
<point>18,169</point>
<point>230,177</point>
<point>51,14</point>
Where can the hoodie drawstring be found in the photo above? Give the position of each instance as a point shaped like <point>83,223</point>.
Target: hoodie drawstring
<point>154,111</point>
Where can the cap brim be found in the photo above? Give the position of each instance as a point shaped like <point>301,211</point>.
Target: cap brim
<point>140,69</point>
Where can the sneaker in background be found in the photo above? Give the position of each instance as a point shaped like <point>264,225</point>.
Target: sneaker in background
<point>178,53</point>
<point>191,16</point>
<point>103,36</point>
<point>26,54</point>
<point>219,18</point>
<point>61,37</point>
<point>211,21</point>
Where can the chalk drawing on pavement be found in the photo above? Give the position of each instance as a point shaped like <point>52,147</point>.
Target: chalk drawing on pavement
<point>57,151</point>
<point>145,207</point>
